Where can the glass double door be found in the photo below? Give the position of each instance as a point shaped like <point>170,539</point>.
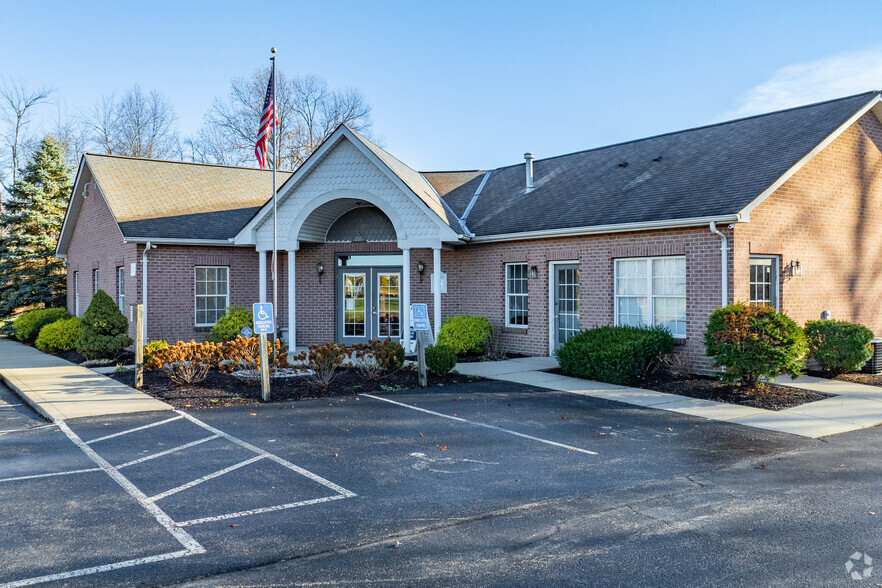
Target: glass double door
<point>368,304</point>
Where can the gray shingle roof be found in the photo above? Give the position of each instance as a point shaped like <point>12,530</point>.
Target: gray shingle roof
<point>220,225</point>
<point>708,171</point>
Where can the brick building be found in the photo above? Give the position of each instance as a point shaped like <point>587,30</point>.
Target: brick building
<point>781,209</point>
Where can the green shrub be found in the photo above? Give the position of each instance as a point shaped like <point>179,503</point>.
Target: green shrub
<point>61,335</point>
<point>465,333</point>
<point>839,346</point>
<point>614,354</point>
<point>229,326</point>
<point>750,342</point>
<point>103,330</point>
<point>440,359</point>
<point>28,325</point>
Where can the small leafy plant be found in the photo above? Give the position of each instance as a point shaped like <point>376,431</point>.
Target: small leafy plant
<point>752,342</point>
<point>440,359</point>
<point>185,363</point>
<point>27,326</point>
<point>614,354</point>
<point>230,325</point>
<point>59,336</point>
<point>839,346</point>
<point>465,333</point>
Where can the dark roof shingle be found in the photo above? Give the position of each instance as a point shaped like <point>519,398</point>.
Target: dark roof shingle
<point>714,170</point>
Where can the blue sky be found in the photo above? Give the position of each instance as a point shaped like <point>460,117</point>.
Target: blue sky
<point>460,85</point>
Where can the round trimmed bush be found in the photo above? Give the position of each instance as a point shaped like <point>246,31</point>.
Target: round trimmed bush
<point>839,346</point>
<point>103,329</point>
<point>749,342</point>
<point>614,354</point>
<point>465,333</point>
<point>27,327</point>
<point>440,359</point>
<point>229,326</point>
<point>59,336</point>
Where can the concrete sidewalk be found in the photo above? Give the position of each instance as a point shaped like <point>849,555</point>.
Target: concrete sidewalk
<point>60,390</point>
<point>852,406</point>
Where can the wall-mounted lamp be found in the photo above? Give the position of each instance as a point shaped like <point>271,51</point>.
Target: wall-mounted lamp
<point>795,267</point>
<point>320,269</point>
<point>534,272</point>
<point>421,267</point>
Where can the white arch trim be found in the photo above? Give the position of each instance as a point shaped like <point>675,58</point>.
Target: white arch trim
<point>347,193</point>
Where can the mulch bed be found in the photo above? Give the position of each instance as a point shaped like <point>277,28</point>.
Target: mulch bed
<point>768,396</point>
<point>476,357</point>
<point>220,389</point>
<point>857,378</point>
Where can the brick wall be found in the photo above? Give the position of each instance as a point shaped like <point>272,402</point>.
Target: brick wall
<point>829,217</point>
<point>476,279</point>
<point>97,243</point>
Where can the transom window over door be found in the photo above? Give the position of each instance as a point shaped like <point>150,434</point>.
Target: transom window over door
<point>764,281</point>
<point>516,314</point>
<point>212,294</point>
<point>651,291</point>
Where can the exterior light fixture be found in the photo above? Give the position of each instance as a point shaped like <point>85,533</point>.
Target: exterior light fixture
<point>421,267</point>
<point>534,272</point>
<point>795,267</point>
<point>320,269</point>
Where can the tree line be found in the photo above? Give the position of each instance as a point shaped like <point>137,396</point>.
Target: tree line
<point>37,165</point>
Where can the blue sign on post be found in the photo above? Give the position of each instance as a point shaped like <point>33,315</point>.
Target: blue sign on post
<point>263,318</point>
<point>420,317</point>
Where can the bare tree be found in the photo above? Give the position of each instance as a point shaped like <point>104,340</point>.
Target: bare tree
<point>73,136</point>
<point>135,124</point>
<point>16,105</point>
<point>308,111</point>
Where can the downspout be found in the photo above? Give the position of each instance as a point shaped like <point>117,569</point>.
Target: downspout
<point>147,247</point>
<point>724,263</point>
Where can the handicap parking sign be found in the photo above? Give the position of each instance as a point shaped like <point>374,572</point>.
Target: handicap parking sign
<point>420,317</point>
<point>263,318</point>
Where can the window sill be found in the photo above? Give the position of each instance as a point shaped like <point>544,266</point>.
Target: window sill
<point>519,329</point>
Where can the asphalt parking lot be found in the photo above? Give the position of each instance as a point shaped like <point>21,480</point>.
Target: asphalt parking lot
<point>157,498</point>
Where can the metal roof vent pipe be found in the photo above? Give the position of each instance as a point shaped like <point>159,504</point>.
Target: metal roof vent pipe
<point>528,157</point>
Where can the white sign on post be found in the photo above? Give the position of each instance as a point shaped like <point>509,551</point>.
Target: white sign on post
<point>443,283</point>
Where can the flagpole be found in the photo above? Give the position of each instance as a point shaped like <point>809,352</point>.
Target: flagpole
<point>275,165</point>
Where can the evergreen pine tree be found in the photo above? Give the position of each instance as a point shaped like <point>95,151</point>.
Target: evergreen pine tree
<point>103,329</point>
<point>30,223</point>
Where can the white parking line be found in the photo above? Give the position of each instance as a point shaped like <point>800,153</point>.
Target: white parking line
<point>284,462</point>
<point>485,425</point>
<point>126,432</point>
<point>97,569</point>
<point>27,429</point>
<point>166,452</point>
<point>67,473</point>
<point>254,511</point>
<point>210,476</point>
<point>184,538</point>
<point>9,405</point>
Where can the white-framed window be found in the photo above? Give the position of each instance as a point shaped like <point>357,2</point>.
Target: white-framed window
<point>212,293</point>
<point>764,281</point>
<point>651,291</point>
<point>76,290</point>
<point>516,313</point>
<point>121,289</point>
<point>94,281</point>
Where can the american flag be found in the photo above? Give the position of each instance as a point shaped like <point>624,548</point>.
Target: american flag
<point>267,118</point>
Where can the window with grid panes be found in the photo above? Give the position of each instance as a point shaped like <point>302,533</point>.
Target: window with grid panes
<point>516,313</point>
<point>651,291</point>
<point>212,294</point>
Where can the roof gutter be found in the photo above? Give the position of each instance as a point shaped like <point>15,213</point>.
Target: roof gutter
<point>170,241</point>
<point>617,228</point>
